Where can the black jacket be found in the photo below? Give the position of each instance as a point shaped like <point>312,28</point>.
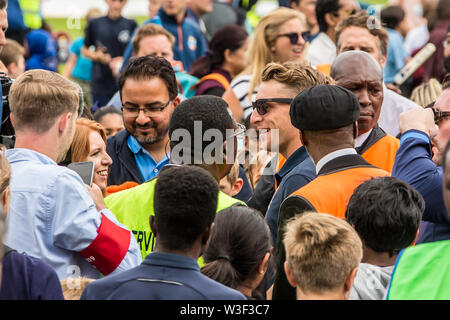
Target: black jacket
<point>124,167</point>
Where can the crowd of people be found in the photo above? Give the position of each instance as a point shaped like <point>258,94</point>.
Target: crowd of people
<point>276,156</point>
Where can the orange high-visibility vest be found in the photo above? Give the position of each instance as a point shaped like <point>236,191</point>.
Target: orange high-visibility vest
<point>280,162</point>
<point>330,193</point>
<point>382,153</point>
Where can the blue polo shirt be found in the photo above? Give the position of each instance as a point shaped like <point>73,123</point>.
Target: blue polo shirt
<point>297,171</point>
<point>147,166</point>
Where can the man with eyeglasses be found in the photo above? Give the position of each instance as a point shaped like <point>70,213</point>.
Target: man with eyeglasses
<point>425,132</point>
<point>329,13</point>
<point>54,216</point>
<point>190,124</point>
<point>149,94</point>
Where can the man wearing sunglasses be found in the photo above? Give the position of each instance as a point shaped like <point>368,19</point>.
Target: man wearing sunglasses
<point>280,84</point>
<point>149,94</point>
<point>420,144</point>
<point>326,116</point>
<point>329,13</point>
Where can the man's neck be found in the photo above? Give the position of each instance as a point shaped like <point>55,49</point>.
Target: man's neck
<point>290,148</point>
<point>378,259</point>
<point>43,144</point>
<point>114,17</point>
<point>193,252</point>
<point>179,17</point>
<point>322,296</point>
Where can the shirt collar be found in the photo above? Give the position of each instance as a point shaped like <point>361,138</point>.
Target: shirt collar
<point>134,145</point>
<point>333,155</point>
<point>298,156</point>
<point>165,259</point>
<point>359,140</point>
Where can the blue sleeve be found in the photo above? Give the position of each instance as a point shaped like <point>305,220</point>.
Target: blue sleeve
<point>288,185</point>
<point>414,165</point>
<point>88,36</point>
<point>45,283</point>
<point>76,46</point>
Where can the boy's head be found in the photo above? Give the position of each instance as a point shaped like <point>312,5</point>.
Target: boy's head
<point>202,132</point>
<point>322,256</point>
<point>115,8</point>
<point>393,17</point>
<point>185,204</point>
<point>12,57</point>
<point>386,213</point>
<point>231,184</point>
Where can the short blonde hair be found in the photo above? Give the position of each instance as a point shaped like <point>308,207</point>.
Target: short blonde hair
<point>264,37</point>
<point>296,75</point>
<point>38,97</point>
<point>11,52</point>
<point>148,30</point>
<point>72,288</point>
<point>321,251</point>
<point>233,175</point>
<point>426,92</point>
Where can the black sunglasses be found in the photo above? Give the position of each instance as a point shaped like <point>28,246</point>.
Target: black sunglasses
<point>438,114</point>
<point>293,36</point>
<point>261,104</point>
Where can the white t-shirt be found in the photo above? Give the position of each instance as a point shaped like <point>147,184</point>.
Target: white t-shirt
<point>241,86</point>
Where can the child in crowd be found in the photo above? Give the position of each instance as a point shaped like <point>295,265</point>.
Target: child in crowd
<point>322,256</point>
<point>386,213</point>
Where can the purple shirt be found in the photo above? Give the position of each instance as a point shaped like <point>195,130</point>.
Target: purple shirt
<point>210,84</point>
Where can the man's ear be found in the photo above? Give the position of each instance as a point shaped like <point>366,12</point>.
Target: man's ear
<point>11,118</point>
<point>289,276</point>
<point>382,61</point>
<point>153,225</point>
<point>355,129</point>
<point>237,187</point>
<point>64,121</point>
<point>348,284</point>
<point>176,101</point>
<point>207,234</point>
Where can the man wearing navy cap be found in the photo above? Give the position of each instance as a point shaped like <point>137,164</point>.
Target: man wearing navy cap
<point>326,116</point>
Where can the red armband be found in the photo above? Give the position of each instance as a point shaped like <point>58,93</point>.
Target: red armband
<point>109,247</point>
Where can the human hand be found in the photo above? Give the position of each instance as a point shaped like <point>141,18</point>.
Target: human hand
<point>102,56</point>
<point>394,88</point>
<point>419,118</point>
<point>97,196</point>
<point>115,65</point>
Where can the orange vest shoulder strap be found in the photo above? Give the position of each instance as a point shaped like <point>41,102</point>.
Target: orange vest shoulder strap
<point>330,193</point>
<point>382,153</point>
<point>218,77</point>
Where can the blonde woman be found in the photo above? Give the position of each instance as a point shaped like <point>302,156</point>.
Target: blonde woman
<point>426,93</point>
<point>280,36</point>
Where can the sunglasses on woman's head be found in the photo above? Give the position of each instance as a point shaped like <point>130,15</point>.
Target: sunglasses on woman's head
<point>293,36</point>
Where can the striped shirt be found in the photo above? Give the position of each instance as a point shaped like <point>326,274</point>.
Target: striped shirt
<point>240,86</point>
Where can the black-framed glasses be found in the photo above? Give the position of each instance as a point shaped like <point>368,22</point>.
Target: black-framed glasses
<point>294,36</point>
<point>261,104</point>
<point>149,111</point>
